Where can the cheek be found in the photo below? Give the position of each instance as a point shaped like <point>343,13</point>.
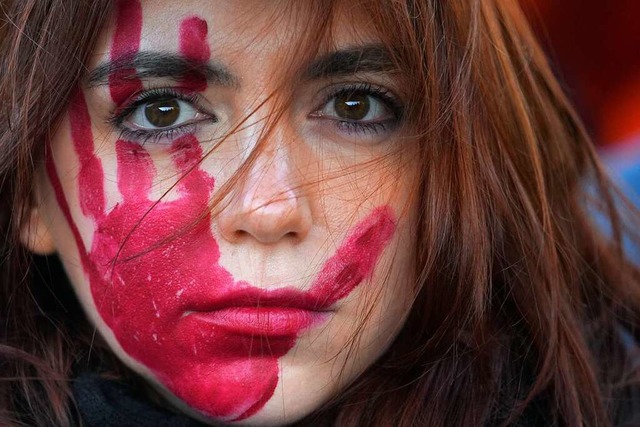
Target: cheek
<point>377,311</point>
<point>366,325</point>
<point>381,307</point>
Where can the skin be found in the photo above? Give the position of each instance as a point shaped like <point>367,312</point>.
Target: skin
<point>317,222</point>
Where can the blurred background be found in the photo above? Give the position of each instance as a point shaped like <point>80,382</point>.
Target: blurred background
<point>594,47</point>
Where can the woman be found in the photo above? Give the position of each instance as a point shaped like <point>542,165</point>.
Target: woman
<point>316,212</point>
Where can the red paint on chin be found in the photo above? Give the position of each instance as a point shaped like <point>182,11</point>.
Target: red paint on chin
<point>157,282</point>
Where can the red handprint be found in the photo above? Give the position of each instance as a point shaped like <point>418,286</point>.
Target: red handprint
<point>154,271</point>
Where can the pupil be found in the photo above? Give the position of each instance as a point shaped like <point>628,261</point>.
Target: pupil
<point>162,113</point>
<point>352,106</point>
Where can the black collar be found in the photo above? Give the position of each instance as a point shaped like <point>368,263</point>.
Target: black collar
<point>109,403</point>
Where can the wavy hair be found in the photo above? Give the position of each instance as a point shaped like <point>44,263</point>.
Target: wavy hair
<point>525,308</point>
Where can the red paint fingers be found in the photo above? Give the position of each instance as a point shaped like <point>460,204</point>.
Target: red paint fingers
<point>126,44</point>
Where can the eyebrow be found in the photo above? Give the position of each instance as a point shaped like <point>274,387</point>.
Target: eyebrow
<point>161,65</point>
<point>368,58</point>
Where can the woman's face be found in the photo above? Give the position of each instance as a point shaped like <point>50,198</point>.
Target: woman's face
<point>261,308</point>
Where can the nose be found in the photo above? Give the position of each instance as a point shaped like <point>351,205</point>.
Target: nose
<point>268,203</point>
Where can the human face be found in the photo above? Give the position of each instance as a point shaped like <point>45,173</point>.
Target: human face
<point>259,308</point>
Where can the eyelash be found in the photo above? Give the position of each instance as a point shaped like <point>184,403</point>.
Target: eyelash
<point>144,136</point>
<point>389,100</point>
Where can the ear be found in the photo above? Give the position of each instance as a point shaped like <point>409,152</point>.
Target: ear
<point>35,233</point>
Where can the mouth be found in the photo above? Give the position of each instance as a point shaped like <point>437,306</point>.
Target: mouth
<point>271,322</point>
<point>252,311</point>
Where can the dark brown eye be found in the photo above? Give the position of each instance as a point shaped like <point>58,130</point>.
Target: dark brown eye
<point>352,106</point>
<point>162,113</point>
<point>360,109</point>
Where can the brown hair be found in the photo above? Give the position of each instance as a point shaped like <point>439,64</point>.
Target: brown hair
<point>43,50</point>
<point>524,305</point>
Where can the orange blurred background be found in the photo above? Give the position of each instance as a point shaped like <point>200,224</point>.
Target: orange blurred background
<point>595,48</point>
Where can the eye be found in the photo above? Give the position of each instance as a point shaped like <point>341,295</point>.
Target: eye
<point>357,107</point>
<point>162,113</point>
<point>361,109</point>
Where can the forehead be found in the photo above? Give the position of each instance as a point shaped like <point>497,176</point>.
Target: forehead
<point>237,28</point>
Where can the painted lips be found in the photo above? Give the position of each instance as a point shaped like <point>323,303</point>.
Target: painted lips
<point>252,311</point>
<point>270,322</point>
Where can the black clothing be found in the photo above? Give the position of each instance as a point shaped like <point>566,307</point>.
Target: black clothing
<point>109,403</point>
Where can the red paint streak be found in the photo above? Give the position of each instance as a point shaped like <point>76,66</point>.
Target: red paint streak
<point>126,44</point>
<point>91,169</point>
<point>194,46</point>
<point>156,279</point>
<point>193,39</point>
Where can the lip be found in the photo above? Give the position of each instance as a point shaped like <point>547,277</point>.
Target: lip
<point>251,311</point>
<point>264,321</point>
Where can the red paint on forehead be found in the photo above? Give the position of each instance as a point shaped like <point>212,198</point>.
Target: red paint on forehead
<point>194,46</point>
<point>126,43</point>
<point>126,40</point>
<point>193,39</point>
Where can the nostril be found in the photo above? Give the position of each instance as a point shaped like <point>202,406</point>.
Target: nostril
<point>264,237</point>
<point>240,234</point>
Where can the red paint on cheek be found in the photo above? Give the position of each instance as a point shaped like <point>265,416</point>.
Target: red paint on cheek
<point>91,173</point>
<point>126,43</point>
<point>152,264</point>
